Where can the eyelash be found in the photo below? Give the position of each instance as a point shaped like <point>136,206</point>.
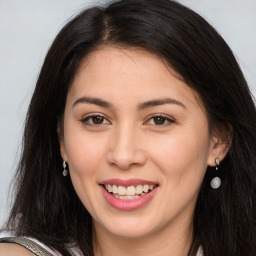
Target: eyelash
<point>161,117</point>
<point>167,120</point>
<point>86,120</point>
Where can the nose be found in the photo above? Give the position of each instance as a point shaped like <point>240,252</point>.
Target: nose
<point>126,149</point>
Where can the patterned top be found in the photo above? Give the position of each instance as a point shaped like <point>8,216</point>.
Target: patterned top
<point>40,249</point>
<point>35,246</point>
<point>200,252</point>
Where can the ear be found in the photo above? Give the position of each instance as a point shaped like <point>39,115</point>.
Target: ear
<point>60,132</point>
<point>221,141</point>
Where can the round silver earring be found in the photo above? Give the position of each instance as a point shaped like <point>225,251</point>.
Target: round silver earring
<point>216,181</point>
<point>65,171</point>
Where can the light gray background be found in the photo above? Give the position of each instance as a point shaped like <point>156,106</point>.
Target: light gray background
<point>27,28</point>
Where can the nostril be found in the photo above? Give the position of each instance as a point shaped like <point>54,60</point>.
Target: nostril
<point>126,160</point>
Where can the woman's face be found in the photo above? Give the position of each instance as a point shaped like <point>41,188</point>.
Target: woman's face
<point>137,143</point>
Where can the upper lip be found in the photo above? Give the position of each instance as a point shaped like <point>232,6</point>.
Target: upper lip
<point>127,183</point>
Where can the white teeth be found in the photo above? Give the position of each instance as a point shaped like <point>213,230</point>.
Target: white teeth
<point>139,189</point>
<point>131,197</point>
<point>109,188</point>
<point>145,188</point>
<point>125,197</point>
<point>114,189</point>
<point>130,192</point>
<point>121,190</point>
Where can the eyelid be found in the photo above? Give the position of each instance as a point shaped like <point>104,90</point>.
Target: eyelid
<point>91,115</point>
<point>170,120</point>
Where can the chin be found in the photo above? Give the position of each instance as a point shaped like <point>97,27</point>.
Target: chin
<point>130,227</point>
<point>131,233</point>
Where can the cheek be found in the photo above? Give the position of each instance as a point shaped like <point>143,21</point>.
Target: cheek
<point>83,152</point>
<point>181,156</point>
<point>84,158</point>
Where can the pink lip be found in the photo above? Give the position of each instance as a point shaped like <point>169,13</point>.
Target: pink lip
<point>127,183</point>
<point>127,205</point>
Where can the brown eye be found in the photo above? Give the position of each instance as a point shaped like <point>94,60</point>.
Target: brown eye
<point>97,119</point>
<point>158,120</point>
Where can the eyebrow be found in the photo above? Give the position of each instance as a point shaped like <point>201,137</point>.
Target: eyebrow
<point>141,106</point>
<point>95,101</point>
<point>158,102</point>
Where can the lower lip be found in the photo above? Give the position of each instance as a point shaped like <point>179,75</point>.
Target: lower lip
<point>128,205</point>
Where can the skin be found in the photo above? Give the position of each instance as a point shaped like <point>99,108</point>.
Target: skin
<point>130,144</point>
<point>14,250</point>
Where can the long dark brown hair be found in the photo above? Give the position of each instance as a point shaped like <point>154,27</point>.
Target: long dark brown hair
<point>46,206</point>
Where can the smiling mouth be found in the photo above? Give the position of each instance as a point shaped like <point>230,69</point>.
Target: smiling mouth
<point>130,192</point>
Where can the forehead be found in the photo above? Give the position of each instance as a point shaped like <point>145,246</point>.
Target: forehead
<point>124,72</point>
<point>130,59</point>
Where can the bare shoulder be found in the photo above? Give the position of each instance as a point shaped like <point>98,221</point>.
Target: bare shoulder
<point>7,249</point>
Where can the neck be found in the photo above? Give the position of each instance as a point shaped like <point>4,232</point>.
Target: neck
<point>164,242</point>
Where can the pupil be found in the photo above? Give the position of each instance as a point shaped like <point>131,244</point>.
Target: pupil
<point>159,120</point>
<point>97,120</point>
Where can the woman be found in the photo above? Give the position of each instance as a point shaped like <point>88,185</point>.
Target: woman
<point>146,108</point>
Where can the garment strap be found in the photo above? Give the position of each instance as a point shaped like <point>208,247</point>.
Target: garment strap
<point>27,243</point>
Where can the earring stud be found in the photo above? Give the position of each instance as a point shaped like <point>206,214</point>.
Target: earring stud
<point>216,181</point>
<point>65,171</point>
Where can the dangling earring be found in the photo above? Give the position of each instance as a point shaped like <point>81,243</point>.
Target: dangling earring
<point>216,181</point>
<point>65,171</point>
